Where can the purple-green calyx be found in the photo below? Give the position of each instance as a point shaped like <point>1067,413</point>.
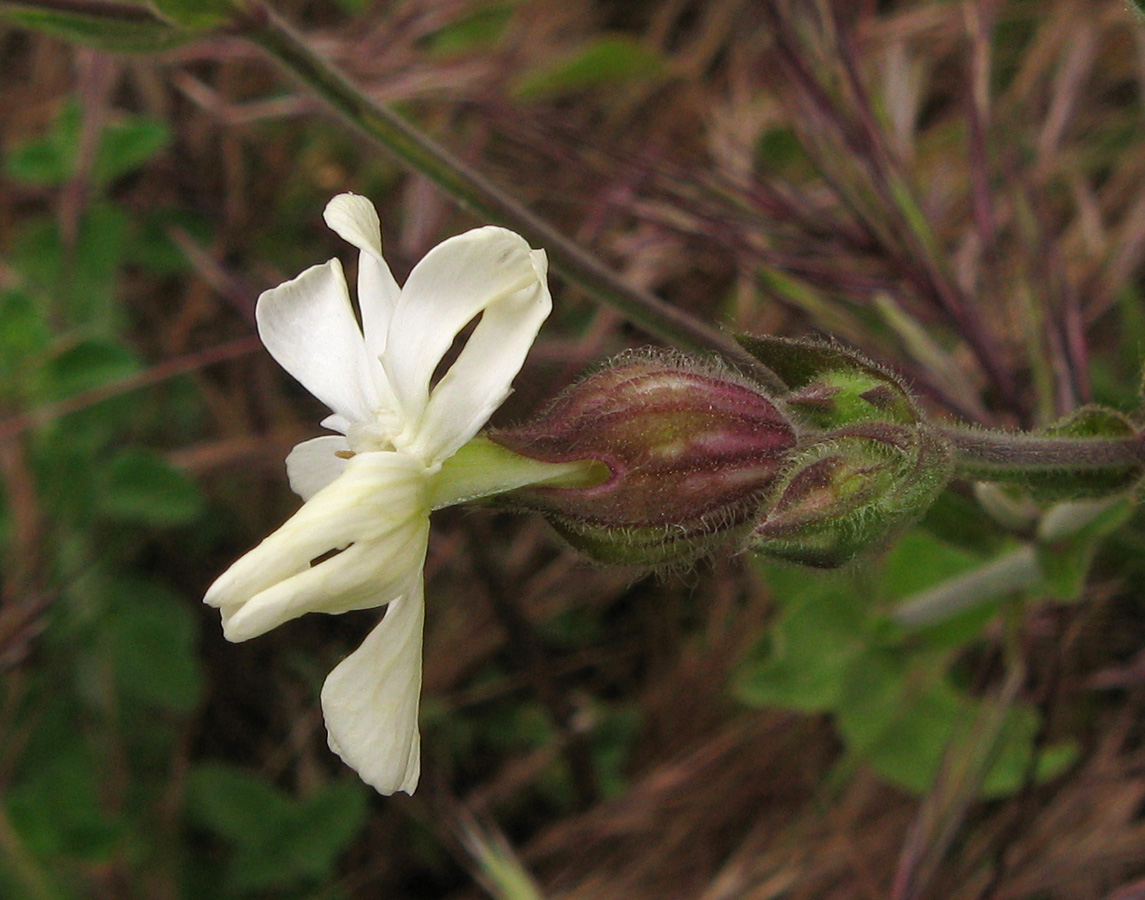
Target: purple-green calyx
<point>695,458</point>
<point>691,451</point>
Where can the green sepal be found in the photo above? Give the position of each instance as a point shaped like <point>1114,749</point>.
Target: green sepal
<point>850,492</point>
<point>652,546</point>
<point>832,386</point>
<point>125,29</point>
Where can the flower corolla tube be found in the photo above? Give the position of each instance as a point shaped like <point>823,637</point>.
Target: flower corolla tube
<point>404,446</point>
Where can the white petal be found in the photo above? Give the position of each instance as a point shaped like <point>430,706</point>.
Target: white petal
<point>308,326</point>
<point>355,220</point>
<point>354,579</point>
<point>313,464</point>
<point>376,513</point>
<point>456,280</point>
<point>336,423</point>
<point>479,380</point>
<point>371,699</point>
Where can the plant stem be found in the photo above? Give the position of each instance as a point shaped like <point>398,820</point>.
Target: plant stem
<point>985,455</point>
<point>1013,571</point>
<point>259,24</point>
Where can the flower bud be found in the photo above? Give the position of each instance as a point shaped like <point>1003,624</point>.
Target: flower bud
<point>691,453</point>
<point>847,492</point>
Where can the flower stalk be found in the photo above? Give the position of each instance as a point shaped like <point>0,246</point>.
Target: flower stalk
<point>986,455</point>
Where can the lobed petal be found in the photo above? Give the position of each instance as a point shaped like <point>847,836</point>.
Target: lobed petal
<point>308,326</point>
<point>376,513</point>
<point>370,700</point>
<point>354,219</point>
<point>488,270</point>
<point>481,377</point>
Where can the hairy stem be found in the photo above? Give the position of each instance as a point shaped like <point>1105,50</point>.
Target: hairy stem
<point>985,455</point>
<point>259,24</point>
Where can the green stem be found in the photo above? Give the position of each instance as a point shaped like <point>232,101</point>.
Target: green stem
<point>259,24</point>
<point>988,455</point>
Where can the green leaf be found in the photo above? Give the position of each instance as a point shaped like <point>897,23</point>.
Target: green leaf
<point>87,365</point>
<point>235,804</point>
<point>127,145</point>
<point>54,801</point>
<point>151,640</point>
<point>199,15</point>
<point>481,27</point>
<point>903,575</point>
<point>24,337</point>
<point>606,60</point>
<point>123,29</point>
<point>321,828</point>
<point>900,715</point>
<point>809,650</point>
<point>141,486</point>
<point>613,735</point>
<point>279,842</point>
<point>81,279</point>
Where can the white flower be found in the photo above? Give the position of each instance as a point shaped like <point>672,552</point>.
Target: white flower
<point>369,489</point>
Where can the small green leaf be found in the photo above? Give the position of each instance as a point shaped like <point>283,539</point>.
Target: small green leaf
<point>89,364</point>
<point>322,827</point>
<point>481,27</point>
<point>279,842</point>
<point>127,145</point>
<point>235,804</point>
<point>151,640</point>
<point>606,60</point>
<point>143,487</point>
<point>807,655</point>
<point>123,29</point>
<point>24,336</point>
<point>197,15</point>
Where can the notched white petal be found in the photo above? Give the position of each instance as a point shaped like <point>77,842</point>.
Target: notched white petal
<point>353,218</point>
<point>308,326</point>
<point>458,279</point>
<point>313,464</point>
<point>481,377</point>
<point>370,700</point>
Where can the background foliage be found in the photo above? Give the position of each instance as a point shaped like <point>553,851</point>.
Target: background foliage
<point>954,187</point>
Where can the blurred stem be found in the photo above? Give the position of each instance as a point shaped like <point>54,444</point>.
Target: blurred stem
<point>261,25</point>
<point>1019,569</point>
<point>988,455</point>
<point>1012,571</point>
